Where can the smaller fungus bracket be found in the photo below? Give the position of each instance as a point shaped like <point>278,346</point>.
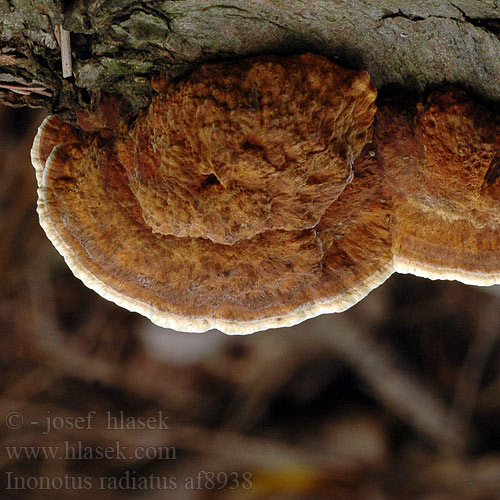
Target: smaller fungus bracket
<point>439,161</point>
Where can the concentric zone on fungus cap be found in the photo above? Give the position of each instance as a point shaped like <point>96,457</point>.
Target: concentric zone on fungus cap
<point>228,203</point>
<point>249,195</point>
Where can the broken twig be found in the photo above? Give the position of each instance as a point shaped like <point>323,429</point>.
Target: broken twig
<point>64,40</point>
<point>25,90</point>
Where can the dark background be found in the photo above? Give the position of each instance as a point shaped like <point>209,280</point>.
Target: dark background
<point>398,398</point>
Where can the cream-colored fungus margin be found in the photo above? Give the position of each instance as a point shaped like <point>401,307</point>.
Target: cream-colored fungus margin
<point>406,266</point>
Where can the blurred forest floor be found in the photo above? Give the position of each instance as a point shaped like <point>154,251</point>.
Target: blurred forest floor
<point>398,398</point>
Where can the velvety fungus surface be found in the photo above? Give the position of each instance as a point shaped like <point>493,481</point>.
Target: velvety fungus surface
<point>258,193</point>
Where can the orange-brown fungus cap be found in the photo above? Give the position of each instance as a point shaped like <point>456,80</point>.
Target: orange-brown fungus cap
<point>247,196</point>
<point>441,163</point>
<point>51,133</point>
<point>225,204</point>
<point>244,148</point>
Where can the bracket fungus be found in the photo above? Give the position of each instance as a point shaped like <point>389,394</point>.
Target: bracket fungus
<point>250,196</point>
<point>441,163</point>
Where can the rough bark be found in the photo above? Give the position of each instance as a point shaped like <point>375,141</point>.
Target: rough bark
<point>117,45</point>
